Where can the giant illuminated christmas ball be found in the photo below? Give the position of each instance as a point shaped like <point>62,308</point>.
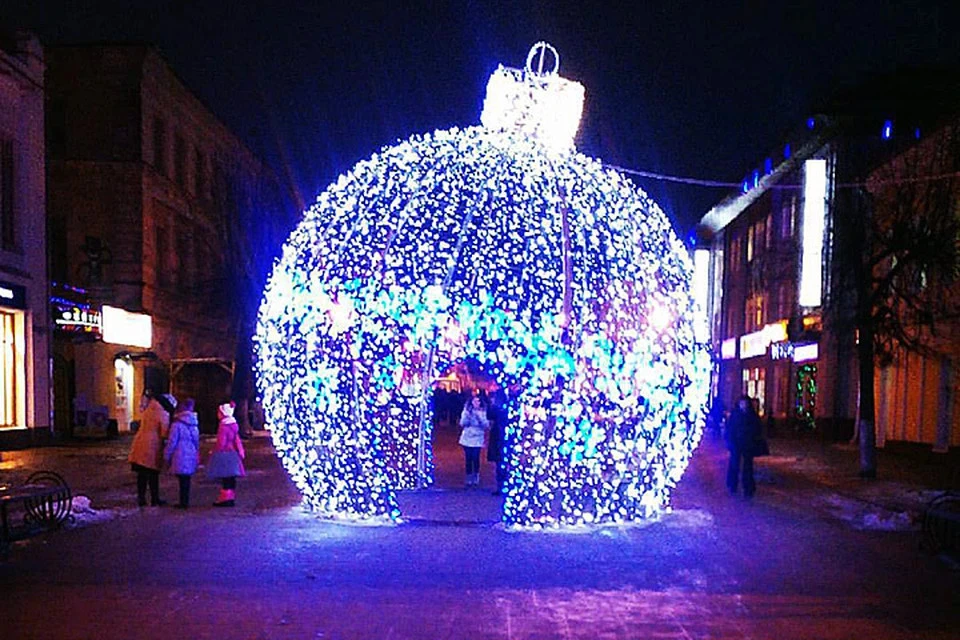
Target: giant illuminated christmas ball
<point>502,244</point>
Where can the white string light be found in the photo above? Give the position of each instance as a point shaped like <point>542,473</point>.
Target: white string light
<point>553,272</point>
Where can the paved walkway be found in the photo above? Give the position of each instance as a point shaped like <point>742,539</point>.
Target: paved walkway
<point>786,565</point>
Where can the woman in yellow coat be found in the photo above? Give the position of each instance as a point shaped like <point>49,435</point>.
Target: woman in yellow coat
<point>146,453</point>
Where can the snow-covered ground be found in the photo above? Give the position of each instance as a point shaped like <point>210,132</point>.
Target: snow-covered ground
<point>866,515</point>
<point>85,515</point>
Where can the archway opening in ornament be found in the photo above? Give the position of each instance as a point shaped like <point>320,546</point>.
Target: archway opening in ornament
<point>451,393</point>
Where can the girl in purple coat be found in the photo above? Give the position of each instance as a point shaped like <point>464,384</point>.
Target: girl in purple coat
<point>182,453</point>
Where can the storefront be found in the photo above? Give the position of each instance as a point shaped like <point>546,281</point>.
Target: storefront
<point>13,357</point>
<point>101,358</point>
<point>779,374</point>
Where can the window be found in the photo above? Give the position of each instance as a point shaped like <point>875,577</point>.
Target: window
<point>734,253</point>
<point>199,174</point>
<point>185,273</point>
<point>162,258</point>
<point>754,385</point>
<point>750,240</point>
<point>783,311</point>
<point>731,323</point>
<point>753,316</point>
<point>159,145</point>
<point>180,160</point>
<point>768,224</point>
<point>788,216</point>
<point>7,223</point>
<point>12,369</point>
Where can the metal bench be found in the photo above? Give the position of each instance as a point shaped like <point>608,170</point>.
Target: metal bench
<point>45,502</point>
<point>941,524</point>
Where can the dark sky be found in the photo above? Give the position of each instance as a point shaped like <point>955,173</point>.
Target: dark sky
<point>700,89</point>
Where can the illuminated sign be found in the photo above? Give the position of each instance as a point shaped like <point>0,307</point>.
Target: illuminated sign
<point>123,327</point>
<point>755,344</point>
<point>781,351</point>
<point>13,295</point>
<point>806,352</point>
<point>728,349</point>
<point>814,212</point>
<point>701,288</point>
<point>76,319</point>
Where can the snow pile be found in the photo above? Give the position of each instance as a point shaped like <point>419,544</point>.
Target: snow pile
<point>688,519</point>
<point>867,516</point>
<point>84,515</point>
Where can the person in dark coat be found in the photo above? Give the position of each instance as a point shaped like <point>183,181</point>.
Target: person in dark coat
<point>743,431</point>
<point>497,416</point>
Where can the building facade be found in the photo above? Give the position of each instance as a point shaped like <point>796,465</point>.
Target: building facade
<point>143,184</point>
<point>917,394</point>
<point>768,262</point>
<point>24,326</point>
<point>781,319</point>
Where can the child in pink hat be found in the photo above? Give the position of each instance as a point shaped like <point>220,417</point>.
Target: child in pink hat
<point>226,461</point>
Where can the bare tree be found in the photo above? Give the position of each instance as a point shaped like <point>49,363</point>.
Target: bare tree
<point>897,239</point>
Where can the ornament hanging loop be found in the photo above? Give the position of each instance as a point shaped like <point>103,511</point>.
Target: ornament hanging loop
<point>537,56</point>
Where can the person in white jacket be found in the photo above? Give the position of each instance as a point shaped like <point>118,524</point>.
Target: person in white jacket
<point>473,429</point>
<point>182,453</point>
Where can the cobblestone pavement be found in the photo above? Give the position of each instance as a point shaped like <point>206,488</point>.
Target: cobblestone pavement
<point>785,565</point>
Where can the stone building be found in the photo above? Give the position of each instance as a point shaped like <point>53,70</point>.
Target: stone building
<point>24,325</point>
<point>777,259</point>
<point>143,185</point>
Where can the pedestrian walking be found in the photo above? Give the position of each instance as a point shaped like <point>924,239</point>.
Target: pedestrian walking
<point>715,419</point>
<point>182,453</point>
<point>497,417</point>
<point>146,452</point>
<point>744,432</point>
<point>226,461</point>
<point>473,429</point>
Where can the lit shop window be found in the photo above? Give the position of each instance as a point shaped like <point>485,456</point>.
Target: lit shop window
<point>11,369</point>
<point>754,385</point>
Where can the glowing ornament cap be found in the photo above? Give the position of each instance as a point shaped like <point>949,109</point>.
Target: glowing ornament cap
<point>535,102</point>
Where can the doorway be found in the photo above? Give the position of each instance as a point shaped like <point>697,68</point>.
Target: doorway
<point>451,392</point>
<point>448,501</point>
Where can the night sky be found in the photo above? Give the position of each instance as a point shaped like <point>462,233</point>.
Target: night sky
<point>698,89</point>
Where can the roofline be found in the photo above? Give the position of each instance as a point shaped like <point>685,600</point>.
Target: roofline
<point>727,210</point>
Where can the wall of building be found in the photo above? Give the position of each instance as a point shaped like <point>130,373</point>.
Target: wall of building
<point>23,246</point>
<point>918,393</point>
<point>154,196</point>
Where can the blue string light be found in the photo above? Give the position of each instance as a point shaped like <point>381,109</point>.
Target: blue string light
<point>555,273</point>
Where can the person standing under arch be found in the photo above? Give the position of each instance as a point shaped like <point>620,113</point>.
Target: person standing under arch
<point>473,428</point>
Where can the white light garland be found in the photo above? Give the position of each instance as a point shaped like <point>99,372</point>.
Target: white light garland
<point>551,271</point>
